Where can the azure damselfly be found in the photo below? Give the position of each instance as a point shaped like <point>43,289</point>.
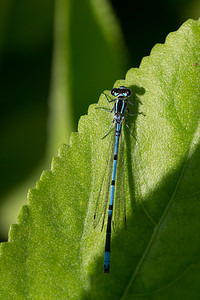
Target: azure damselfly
<point>112,174</point>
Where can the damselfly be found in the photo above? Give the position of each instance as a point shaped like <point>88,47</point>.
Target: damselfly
<point>117,195</point>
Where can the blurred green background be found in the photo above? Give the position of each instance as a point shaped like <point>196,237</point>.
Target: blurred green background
<point>56,57</point>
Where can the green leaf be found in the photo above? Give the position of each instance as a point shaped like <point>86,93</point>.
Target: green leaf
<point>54,252</point>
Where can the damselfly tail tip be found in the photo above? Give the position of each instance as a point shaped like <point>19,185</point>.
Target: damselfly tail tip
<point>106,269</point>
<point>107,262</point>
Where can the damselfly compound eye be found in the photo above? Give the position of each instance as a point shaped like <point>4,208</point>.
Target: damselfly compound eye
<point>114,92</point>
<point>128,91</point>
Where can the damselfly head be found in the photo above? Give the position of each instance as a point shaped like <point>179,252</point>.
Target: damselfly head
<point>121,91</point>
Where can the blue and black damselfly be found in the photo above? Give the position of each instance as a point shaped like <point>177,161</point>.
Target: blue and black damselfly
<point>113,175</point>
